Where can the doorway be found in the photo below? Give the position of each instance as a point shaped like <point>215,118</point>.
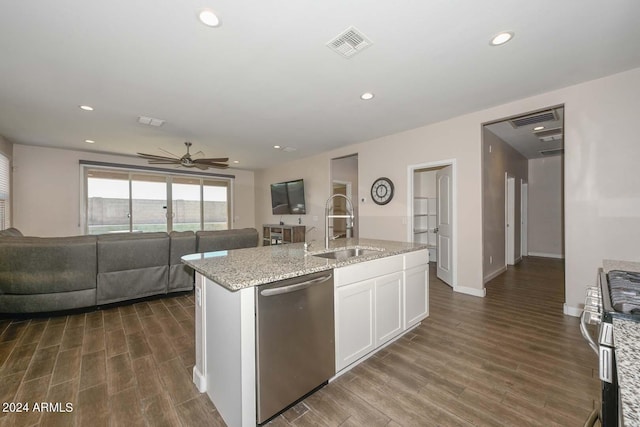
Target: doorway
<point>344,180</point>
<point>432,213</point>
<point>522,189</point>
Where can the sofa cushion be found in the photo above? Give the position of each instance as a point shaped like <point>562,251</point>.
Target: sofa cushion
<point>10,232</point>
<point>132,265</point>
<point>181,276</point>
<point>35,303</point>
<point>220,240</point>
<point>40,265</point>
<point>129,251</point>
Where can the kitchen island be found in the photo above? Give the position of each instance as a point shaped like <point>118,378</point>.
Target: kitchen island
<point>379,294</point>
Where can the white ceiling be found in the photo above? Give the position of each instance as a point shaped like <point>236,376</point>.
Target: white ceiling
<point>265,76</point>
<point>526,140</point>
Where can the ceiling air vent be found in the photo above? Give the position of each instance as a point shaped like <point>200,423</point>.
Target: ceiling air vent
<point>552,152</point>
<point>350,42</point>
<point>549,135</point>
<point>544,116</point>
<point>150,121</point>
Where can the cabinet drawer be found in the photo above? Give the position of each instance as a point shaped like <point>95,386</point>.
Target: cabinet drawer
<point>368,270</point>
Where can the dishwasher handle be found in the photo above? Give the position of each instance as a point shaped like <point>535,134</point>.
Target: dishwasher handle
<point>295,287</point>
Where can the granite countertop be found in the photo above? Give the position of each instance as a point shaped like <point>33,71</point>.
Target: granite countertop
<point>626,337</point>
<point>609,264</point>
<point>241,268</point>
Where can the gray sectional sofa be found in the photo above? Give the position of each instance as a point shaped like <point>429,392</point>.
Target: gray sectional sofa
<point>63,273</point>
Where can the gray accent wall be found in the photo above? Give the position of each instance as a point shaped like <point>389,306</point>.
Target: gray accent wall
<point>498,158</point>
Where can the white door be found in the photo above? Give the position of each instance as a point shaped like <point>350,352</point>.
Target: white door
<point>444,188</point>
<point>510,226</point>
<point>524,206</point>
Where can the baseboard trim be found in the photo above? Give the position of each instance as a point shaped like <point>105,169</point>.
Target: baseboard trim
<point>471,291</point>
<point>199,380</point>
<point>546,255</point>
<point>571,311</point>
<point>495,274</point>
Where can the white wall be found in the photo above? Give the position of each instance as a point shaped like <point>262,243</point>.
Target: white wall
<point>391,157</point>
<point>499,158</point>
<point>602,180</point>
<point>47,190</point>
<point>546,215</point>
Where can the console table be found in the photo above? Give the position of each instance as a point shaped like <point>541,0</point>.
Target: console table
<point>275,234</point>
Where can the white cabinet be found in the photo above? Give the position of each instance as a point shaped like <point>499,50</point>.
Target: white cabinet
<point>416,289</point>
<point>374,303</point>
<point>388,308</point>
<point>354,307</point>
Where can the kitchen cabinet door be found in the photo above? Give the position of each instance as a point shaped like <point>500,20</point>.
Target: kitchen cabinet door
<point>389,307</point>
<point>416,295</point>
<point>355,325</point>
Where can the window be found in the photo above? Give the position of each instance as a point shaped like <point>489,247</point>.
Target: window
<point>5,210</point>
<point>133,200</point>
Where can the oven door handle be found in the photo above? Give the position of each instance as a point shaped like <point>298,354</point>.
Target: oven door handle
<point>585,332</point>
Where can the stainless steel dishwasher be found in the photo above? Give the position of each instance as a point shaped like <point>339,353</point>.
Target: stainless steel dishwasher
<point>295,340</point>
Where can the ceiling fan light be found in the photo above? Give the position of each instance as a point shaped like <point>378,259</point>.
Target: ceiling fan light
<point>209,18</point>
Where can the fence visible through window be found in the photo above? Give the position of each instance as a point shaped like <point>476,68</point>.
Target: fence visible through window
<point>131,201</point>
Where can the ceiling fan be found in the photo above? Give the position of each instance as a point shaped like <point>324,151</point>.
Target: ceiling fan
<point>186,160</point>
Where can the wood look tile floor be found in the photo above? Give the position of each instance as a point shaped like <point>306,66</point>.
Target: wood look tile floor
<point>509,359</point>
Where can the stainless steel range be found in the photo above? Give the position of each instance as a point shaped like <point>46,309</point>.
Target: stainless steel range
<point>616,296</point>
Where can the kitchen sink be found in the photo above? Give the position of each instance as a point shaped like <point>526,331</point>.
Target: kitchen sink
<point>343,254</point>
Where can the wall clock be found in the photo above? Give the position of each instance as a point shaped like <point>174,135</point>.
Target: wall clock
<point>382,191</point>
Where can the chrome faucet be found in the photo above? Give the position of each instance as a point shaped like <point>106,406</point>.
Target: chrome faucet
<point>328,209</point>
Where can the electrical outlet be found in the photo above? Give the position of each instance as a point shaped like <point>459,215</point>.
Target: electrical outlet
<point>490,259</point>
<point>199,297</point>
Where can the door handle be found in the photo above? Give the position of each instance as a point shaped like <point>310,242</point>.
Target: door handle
<point>295,287</point>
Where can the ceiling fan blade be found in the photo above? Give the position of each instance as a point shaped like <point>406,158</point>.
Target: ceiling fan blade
<point>164,162</point>
<point>205,160</point>
<point>214,165</point>
<point>201,166</point>
<point>168,152</point>
<point>154,157</point>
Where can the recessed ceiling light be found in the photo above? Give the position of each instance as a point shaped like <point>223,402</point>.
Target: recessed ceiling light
<point>538,128</point>
<point>86,107</point>
<point>501,38</point>
<point>367,96</point>
<point>209,18</point>
<point>277,147</point>
<point>89,141</point>
<point>236,161</point>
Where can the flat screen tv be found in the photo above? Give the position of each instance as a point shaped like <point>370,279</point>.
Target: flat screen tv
<point>288,198</point>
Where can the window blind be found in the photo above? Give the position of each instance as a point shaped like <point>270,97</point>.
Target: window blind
<point>5,172</point>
